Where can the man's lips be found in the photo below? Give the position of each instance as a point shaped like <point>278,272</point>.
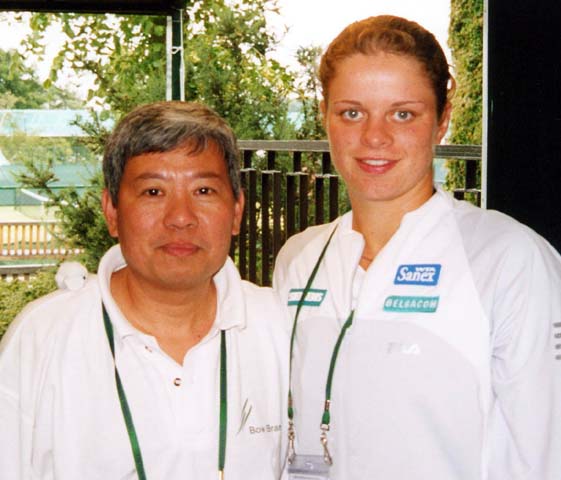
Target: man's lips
<point>180,249</point>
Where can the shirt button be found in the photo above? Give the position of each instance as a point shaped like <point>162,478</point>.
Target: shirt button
<point>148,349</point>
<point>177,382</point>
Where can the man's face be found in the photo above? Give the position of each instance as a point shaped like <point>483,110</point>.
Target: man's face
<point>175,216</point>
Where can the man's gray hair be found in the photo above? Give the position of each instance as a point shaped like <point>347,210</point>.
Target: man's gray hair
<point>165,126</point>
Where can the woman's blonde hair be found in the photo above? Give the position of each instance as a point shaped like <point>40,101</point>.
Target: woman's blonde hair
<point>394,35</point>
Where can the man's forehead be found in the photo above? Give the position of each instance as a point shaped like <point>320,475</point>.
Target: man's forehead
<point>178,162</point>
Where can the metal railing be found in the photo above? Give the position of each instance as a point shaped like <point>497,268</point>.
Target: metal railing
<point>31,239</point>
<point>288,185</point>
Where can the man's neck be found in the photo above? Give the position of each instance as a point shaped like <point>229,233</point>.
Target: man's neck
<point>177,319</point>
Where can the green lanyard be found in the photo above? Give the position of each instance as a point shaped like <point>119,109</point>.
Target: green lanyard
<point>326,417</point>
<point>135,446</point>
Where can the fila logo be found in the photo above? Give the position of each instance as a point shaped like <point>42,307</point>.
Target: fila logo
<point>422,274</point>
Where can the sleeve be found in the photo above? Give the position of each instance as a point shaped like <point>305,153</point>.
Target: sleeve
<point>16,428</point>
<point>280,271</point>
<point>526,363</point>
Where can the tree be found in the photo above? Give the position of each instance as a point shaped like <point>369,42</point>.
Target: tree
<point>21,89</point>
<point>81,219</point>
<point>124,56</point>
<point>227,46</point>
<point>16,294</point>
<point>228,66</point>
<point>20,148</point>
<point>466,42</point>
<point>308,91</point>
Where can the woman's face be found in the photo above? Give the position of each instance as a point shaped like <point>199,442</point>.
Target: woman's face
<point>382,124</point>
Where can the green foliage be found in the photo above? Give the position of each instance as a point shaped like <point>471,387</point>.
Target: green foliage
<point>83,223</point>
<point>79,213</point>
<point>125,55</point>
<point>227,66</point>
<point>20,88</point>
<point>466,43</point>
<point>226,61</point>
<point>308,91</point>
<point>16,294</point>
<point>96,133</point>
<point>20,148</point>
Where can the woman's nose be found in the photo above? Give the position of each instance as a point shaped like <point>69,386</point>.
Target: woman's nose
<point>376,132</point>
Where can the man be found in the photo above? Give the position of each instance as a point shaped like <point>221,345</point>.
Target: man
<point>164,366</point>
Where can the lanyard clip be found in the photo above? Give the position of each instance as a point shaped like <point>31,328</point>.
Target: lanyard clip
<point>323,439</point>
<point>291,435</point>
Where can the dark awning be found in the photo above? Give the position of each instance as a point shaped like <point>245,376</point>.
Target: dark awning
<point>152,7</point>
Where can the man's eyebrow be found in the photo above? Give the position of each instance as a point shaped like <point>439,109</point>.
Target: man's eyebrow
<point>150,176</point>
<point>207,175</point>
<point>163,176</point>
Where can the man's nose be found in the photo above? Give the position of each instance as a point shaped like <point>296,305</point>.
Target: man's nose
<point>180,212</point>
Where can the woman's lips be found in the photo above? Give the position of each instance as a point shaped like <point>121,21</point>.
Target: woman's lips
<point>376,165</point>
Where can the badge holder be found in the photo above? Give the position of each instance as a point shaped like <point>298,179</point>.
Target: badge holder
<point>308,467</point>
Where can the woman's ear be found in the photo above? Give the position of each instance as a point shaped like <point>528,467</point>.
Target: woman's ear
<point>444,123</point>
<point>323,110</point>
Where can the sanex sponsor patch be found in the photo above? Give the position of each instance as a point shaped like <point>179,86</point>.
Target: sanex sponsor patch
<point>417,274</point>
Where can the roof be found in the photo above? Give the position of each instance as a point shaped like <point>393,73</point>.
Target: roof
<point>95,6</point>
<point>67,175</point>
<point>42,123</point>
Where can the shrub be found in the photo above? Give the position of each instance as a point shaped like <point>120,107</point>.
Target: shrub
<point>16,294</point>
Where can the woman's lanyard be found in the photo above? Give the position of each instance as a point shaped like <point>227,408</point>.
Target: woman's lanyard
<point>326,417</point>
<point>135,446</point>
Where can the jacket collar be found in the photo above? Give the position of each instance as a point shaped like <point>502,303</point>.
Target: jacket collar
<point>230,311</point>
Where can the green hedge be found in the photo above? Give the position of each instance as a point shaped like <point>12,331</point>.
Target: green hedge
<point>16,294</point>
<point>465,39</point>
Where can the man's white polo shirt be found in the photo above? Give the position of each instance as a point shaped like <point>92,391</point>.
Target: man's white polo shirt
<point>60,415</point>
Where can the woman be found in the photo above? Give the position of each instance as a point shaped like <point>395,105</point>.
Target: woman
<point>424,328</point>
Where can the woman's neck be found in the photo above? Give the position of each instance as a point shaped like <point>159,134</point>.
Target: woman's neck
<point>378,221</point>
